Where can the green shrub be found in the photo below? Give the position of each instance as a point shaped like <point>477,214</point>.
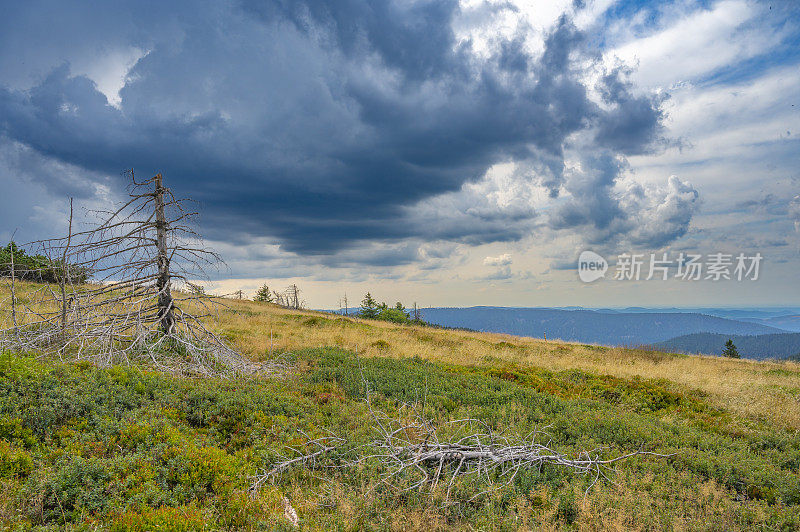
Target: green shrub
<point>182,519</point>
<point>14,463</point>
<point>316,321</point>
<point>77,487</point>
<point>13,431</point>
<point>133,450</point>
<point>393,315</point>
<point>567,509</point>
<point>196,473</point>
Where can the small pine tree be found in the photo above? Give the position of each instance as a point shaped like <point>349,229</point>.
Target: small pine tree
<point>730,350</point>
<point>369,307</point>
<point>263,294</point>
<point>399,306</point>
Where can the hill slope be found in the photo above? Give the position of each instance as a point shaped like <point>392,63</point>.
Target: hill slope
<point>131,448</point>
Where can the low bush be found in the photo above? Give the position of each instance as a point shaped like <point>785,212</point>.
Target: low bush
<point>14,463</point>
<point>127,449</point>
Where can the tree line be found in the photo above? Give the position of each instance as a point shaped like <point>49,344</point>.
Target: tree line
<point>370,307</point>
<point>289,298</point>
<point>40,268</point>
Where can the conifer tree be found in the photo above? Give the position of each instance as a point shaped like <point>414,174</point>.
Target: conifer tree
<point>369,307</point>
<point>263,294</point>
<point>730,350</point>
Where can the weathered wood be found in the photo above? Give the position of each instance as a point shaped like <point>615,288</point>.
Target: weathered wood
<point>13,286</point>
<point>165,304</point>
<point>65,275</point>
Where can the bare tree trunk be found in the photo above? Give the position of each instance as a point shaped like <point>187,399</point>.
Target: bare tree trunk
<point>65,273</point>
<point>293,296</point>
<point>165,304</point>
<point>13,287</point>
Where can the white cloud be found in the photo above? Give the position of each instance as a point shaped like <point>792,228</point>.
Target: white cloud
<point>500,260</point>
<point>794,212</point>
<point>109,70</point>
<point>664,214</point>
<point>696,44</point>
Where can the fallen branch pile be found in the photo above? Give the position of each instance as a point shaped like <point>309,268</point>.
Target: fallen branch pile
<point>414,455</point>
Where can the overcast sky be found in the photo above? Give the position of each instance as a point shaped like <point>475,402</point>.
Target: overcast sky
<point>440,152</point>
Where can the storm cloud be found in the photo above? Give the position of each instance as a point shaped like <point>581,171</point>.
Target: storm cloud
<point>329,125</point>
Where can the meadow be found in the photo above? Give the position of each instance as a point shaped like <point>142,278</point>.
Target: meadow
<point>131,448</point>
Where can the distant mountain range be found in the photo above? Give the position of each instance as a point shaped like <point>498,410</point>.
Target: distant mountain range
<point>782,345</point>
<point>690,330</point>
<point>786,318</point>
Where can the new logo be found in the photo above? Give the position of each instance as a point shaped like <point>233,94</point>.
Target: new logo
<point>591,266</point>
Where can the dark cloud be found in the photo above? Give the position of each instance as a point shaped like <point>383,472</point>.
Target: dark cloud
<point>416,38</point>
<point>591,190</point>
<point>635,216</point>
<point>632,124</point>
<point>326,125</point>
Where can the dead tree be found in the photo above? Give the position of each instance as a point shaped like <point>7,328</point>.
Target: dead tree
<point>136,253</point>
<point>166,316</point>
<point>280,298</point>
<point>13,287</point>
<point>195,289</point>
<point>294,296</point>
<point>65,276</point>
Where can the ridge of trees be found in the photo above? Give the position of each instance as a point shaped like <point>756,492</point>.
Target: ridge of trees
<point>37,268</point>
<point>371,309</point>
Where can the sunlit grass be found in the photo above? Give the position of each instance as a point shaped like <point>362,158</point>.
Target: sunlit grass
<point>157,449</point>
<point>764,390</point>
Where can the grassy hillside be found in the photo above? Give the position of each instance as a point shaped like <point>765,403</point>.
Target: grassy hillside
<point>754,389</point>
<point>132,449</point>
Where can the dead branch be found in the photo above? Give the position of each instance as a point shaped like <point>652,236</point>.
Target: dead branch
<point>415,455</point>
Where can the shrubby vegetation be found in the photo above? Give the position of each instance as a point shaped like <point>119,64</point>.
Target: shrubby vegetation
<point>37,268</point>
<point>128,449</point>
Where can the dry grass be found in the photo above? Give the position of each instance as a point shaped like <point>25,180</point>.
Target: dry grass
<point>765,390</point>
